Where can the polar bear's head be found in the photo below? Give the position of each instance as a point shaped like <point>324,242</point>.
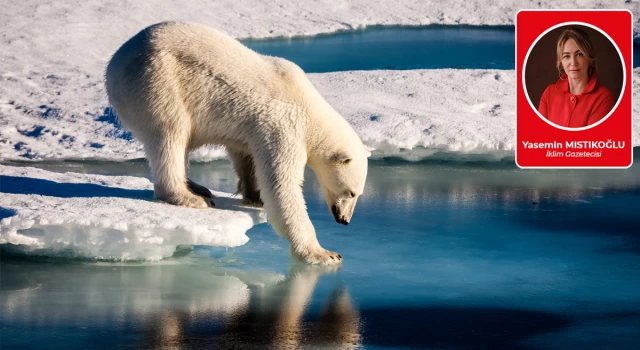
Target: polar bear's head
<point>342,178</point>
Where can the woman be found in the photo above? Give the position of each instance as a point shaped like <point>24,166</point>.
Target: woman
<point>576,99</point>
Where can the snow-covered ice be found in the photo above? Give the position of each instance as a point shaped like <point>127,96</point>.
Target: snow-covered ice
<point>110,217</point>
<point>53,104</point>
<point>409,114</point>
<point>447,110</point>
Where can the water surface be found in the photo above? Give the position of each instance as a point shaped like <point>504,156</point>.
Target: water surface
<point>389,47</point>
<point>438,255</point>
<point>426,47</point>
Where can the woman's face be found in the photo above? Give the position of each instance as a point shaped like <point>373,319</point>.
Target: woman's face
<point>573,61</point>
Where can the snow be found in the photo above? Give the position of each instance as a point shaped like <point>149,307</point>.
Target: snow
<point>109,217</point>
<point>426,111</point>
<point>53,103</point>
<point>408,114</point>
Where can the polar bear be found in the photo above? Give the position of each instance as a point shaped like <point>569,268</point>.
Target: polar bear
<point>179,86</point>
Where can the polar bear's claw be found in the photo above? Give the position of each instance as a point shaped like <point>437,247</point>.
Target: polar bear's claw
<point>322,257</point>
<point>210,202</point>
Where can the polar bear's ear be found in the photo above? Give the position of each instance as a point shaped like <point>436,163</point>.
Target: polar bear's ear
<point>341,158</point>
<point>367,150</point>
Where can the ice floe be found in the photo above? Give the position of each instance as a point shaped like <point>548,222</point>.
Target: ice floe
<point>109,217</point>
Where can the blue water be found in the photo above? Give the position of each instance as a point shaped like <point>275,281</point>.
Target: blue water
<point>438,255</point>
<point>428,47</point>
<point>397,48</point>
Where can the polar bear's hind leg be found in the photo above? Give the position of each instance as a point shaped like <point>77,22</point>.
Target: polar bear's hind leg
<point>166,156</point>
<point>247,183</point>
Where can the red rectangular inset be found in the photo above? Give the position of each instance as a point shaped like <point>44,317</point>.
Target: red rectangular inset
<point>574,89</point>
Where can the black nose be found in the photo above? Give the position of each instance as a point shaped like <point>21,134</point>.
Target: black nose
<point>340,219</point>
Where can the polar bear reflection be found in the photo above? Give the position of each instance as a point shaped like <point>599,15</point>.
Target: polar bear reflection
<point>273,317</point>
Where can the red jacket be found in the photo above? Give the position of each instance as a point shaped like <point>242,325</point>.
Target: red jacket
<point>565,109</point>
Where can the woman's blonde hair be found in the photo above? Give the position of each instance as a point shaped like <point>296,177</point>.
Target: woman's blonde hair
<point>582,41</point>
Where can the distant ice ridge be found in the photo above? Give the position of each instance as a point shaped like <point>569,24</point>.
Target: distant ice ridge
<point>109,217</point>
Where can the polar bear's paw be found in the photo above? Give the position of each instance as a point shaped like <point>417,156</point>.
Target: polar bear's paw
<point>189,200</point>
<point>253,203</point>
<point>319,256</point>
<point>199,189</point>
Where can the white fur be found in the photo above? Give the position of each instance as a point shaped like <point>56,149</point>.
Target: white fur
<point>179,86</point>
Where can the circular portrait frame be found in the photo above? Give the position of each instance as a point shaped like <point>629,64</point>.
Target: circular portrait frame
<point>525,69</point>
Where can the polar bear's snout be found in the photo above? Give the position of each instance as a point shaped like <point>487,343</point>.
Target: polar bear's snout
<point>341,219</point>
<point>343,213</point>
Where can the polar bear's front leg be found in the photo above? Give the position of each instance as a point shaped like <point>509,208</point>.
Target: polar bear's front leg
<point>280,174</point>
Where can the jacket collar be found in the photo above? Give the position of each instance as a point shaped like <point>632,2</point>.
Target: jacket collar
<point>563,83</point>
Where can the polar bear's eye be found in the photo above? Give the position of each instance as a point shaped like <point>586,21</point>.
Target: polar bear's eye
<point>352,194</point>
